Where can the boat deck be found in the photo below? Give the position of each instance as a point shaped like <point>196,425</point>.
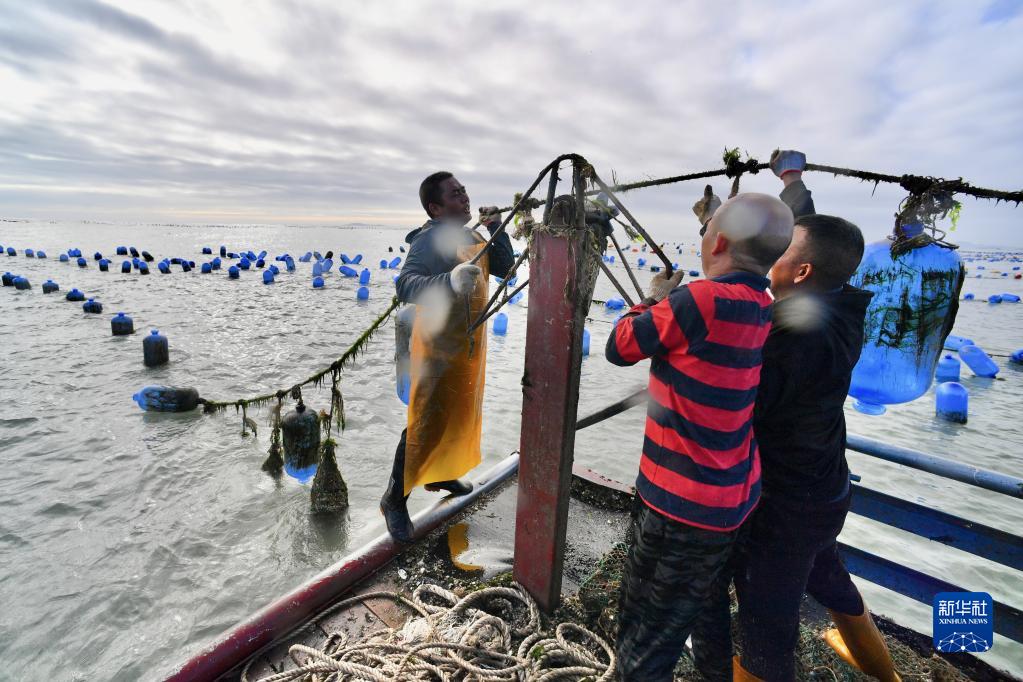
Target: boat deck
<point>477,548</point>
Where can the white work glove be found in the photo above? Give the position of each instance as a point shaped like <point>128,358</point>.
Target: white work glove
<point>705,207</point>
<point>661,285</point>
<point>463,278</point>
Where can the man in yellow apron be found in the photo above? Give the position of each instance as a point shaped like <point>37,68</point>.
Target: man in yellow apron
<point>447,369</point>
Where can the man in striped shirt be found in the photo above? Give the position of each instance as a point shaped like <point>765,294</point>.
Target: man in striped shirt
<point>699,474</point>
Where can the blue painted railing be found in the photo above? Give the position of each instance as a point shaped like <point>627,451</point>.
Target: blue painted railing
<point>968,536</point>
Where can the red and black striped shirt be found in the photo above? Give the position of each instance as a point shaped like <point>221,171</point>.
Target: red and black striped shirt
<point>700,463</point>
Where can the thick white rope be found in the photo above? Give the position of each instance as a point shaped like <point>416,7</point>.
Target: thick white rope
<point>491,635</point>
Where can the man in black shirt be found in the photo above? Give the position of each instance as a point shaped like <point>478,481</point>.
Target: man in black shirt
<point>799,422</point>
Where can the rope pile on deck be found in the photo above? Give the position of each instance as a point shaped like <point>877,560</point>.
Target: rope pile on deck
<point>491,635</point>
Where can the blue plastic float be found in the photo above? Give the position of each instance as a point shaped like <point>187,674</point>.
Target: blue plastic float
<point>49,286</point>
<point>92,306</point>
<point>122,325</point>
<point>75,295</point>
<point>948,369</point>
<point>167,399</point>
<point>951,402</point>
<point>500,324</point>
<point>155,349</point>
<point>317,282</point>
<point>362,294</point>
<point>614,303</point>
<point>979,362</point>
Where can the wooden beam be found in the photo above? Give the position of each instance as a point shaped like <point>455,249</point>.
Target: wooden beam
<point>559,291</point>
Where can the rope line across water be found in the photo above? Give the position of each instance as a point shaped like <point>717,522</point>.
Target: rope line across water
<point>491,635</point>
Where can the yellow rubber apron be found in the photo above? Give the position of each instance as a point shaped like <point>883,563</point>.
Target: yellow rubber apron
<point>445,409</point>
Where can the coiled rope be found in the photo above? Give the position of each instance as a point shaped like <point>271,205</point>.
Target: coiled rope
<point>491,635</point>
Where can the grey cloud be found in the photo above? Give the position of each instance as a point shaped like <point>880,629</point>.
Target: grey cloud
<point>361,101</point>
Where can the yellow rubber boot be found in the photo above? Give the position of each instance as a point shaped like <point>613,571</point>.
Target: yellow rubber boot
<point>858,642</point>
<point>740,674</point>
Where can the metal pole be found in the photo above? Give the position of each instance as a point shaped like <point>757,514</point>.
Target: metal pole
<point>558,293</point>
<point>246,639</point>
<point>957,471</point>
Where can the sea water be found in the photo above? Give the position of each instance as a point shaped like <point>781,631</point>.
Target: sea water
<point>130,539</point>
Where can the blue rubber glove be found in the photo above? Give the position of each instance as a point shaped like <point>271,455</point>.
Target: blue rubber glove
<point>787,161</point>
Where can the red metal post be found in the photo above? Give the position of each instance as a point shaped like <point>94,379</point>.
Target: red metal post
<point>558,299</point>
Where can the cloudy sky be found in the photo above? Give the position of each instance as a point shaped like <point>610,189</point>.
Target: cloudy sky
<point>332,112</point>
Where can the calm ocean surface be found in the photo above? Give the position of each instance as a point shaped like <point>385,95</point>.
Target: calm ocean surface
<point>129,539</point>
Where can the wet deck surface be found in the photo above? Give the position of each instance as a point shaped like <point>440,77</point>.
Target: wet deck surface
<point>476,547</point>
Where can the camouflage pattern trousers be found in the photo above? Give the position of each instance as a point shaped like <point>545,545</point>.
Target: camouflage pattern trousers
<point>675,585</point>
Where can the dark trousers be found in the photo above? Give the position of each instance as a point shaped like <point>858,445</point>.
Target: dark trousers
<point>396,484</point>
<point>675,584</point>
<point>789,549</point>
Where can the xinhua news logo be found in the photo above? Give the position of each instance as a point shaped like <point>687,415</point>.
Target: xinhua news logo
<point>963,622</point>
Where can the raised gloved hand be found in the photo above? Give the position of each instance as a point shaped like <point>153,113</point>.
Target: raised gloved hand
<point>705,207</point>
<point>787,161</point>
<point>661,285</point>
<point>463,278</point>
<point>490,217</point>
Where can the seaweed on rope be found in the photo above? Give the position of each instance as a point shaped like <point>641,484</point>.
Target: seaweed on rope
<point>334,369</point>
